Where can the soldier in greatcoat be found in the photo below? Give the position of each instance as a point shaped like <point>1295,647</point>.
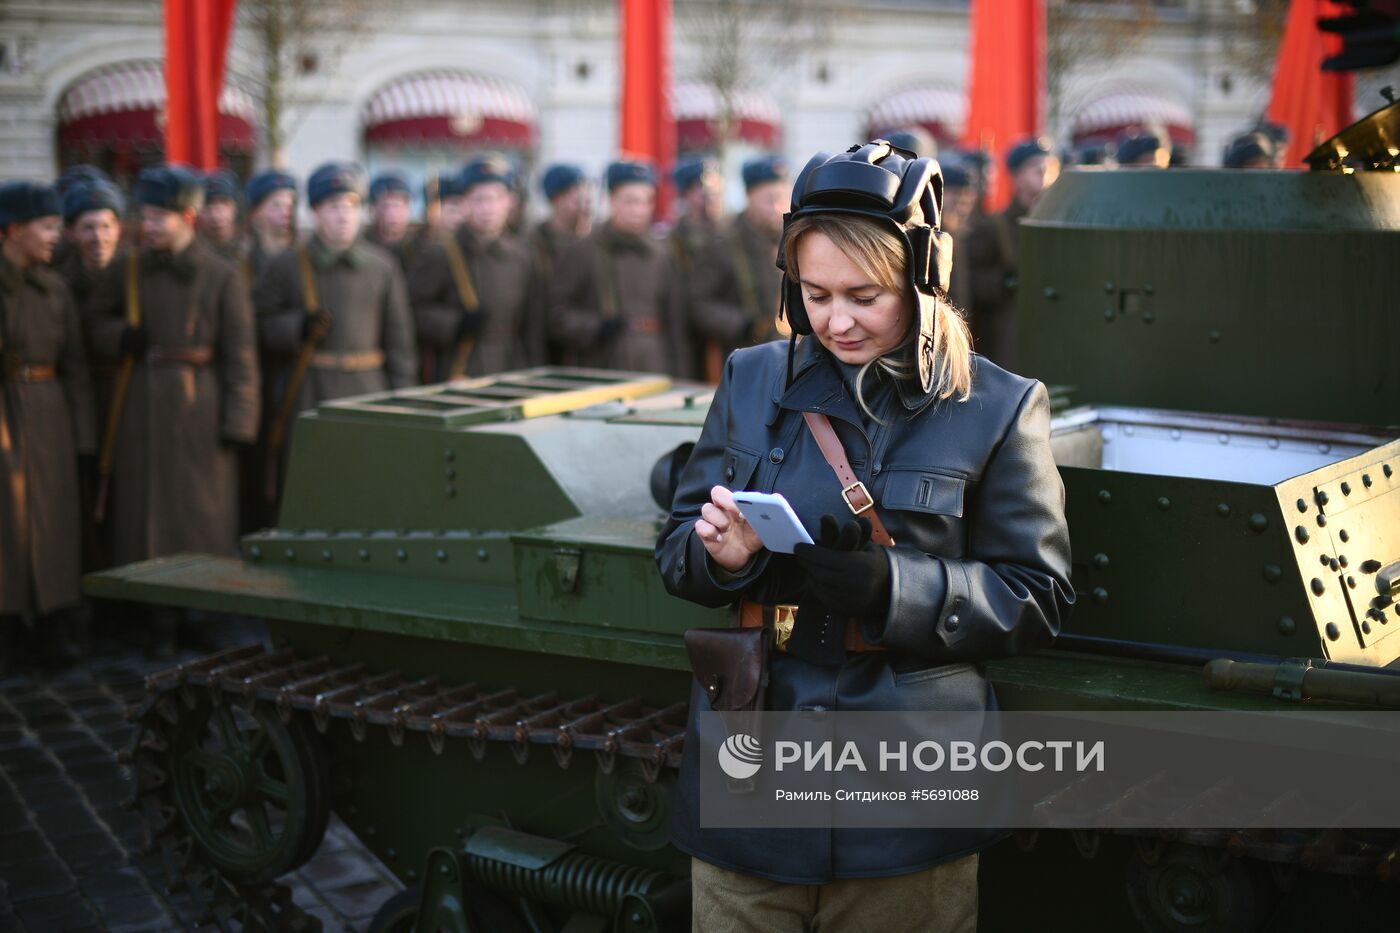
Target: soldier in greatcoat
<point>339,299</point>
<point>615,302</point>
<point>391,225</point>
<point>479,296</point>
<point>736,284</point>
<point>192,400</point>
<point>220,220</point>
<point>46,420</point>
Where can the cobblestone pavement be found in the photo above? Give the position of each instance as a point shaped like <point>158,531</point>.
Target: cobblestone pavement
<point>70,855</point>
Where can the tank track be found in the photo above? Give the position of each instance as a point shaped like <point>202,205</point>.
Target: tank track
<point>320,691</point>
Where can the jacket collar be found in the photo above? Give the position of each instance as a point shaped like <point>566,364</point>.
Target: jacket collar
<point>184,264</point>
<point>325,258</point>
<point>817,385</point>
<point>12,278</point>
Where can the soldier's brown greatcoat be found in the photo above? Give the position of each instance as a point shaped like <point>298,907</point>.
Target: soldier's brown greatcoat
<point>46,419</point>
<point>174,482</point>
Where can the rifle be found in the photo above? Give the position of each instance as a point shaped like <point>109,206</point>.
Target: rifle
<point>119,389</point>
<point>277,434</point>
<point>467,292</point>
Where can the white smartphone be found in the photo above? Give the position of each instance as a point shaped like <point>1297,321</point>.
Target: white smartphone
<point>777,525</point>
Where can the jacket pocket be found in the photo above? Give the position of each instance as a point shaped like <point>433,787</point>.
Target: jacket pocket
<point>945,687</point>
<point>738,467</point>
<point>921,490</point>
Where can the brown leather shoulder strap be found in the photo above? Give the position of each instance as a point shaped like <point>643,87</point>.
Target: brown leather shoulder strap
<point>308,282</point>
<point>859,499</point>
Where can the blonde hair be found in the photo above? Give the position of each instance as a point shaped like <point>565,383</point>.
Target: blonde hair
<point>879,253</point>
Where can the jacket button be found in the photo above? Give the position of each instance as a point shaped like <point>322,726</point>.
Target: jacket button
<point>776,455</point>
<point>875,470</point>
<point>951,623</point>
<point>729,474</point>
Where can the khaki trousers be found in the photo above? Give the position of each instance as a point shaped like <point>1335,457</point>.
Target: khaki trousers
<point>942,899</point>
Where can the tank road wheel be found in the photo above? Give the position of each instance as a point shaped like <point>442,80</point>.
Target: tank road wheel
<point>397,914</point>
<point>636,809</point>
<point>250,790</point>
<point>1190,889</point>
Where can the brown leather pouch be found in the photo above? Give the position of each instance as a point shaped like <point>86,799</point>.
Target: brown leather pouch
<point>731,665</point>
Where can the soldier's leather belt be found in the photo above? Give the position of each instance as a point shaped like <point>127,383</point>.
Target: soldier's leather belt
<point>180,356</point>
<point>783,616</point>
<point>357,361</point>
<point>644,325</point>
<point>20,371</point>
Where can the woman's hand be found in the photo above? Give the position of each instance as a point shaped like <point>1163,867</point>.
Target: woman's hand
<point>729,539</point>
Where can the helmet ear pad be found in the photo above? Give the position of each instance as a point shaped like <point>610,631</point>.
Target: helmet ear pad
<point>794,308</point>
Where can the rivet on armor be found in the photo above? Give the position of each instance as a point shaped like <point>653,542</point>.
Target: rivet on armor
<point>1386,470</point>
<point>1301,534</point>
<point>290,554</point>
<point>449,472</point>
<point>1333,565</point>
<point>1302,505</point>
<point>1351,581</point>
<point>1101,561</point>
<point>1366,480</point>
<point>1286,626</point>
<point>1321,497</point>
<point>1100,595</point>
<point>1365,628</point>
<point>1273,443</point>
<point>1346,489</point>
<point>1326,560</point>
<point>1333,633</point>
<point>255,552</point>
<point>441,555</point>
<point>483,555</point>
<point>1051,293</point>
<point>327,555</point>
<point>1223,438</point>
<point>1370,566</point>
<point>1214,336</point>
<point>1222,510</point>
<point>1164,503</point>
<point>1109,288</point>
<point>1273,573</point>
<point>1317,586</point>
<point>363,554</point>
<point>401,554</point>
<point>1344,536</point>
<point>450,491</point>
<point>1105,496</point>
<point>1258,523</point>
<point>1322,521</point>
<point>1148,317</point>
<point>412,874</point>
<point>1342,559</point>
<point>1147,288</point>
<point>1108,314</point>
<point>449,454</point>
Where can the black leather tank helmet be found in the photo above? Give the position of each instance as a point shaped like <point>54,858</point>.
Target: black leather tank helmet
<point>901,191</point>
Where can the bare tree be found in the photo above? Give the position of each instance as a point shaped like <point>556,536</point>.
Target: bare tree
<point>293,40</point>
<point>741,43</point>
<point>1088,31</point>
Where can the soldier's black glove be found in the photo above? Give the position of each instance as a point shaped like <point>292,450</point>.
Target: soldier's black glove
<point>471,323</point>
<point>847,572</point>
<point>316,326</point>
<point>134,341</point>
<point>612,328</point>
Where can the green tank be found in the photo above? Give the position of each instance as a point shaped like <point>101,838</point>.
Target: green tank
<point>474,664</point>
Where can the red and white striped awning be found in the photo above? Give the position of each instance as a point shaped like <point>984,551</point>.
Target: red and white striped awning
<point>455,107</point>
<point>125,104</point>
<point>696,107</point>
<point>937,109</point>
<point>1114,115</point>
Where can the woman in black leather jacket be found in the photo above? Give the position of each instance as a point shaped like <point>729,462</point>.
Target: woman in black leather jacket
<point>955,453</point>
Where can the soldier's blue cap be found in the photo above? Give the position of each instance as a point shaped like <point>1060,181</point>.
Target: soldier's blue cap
<point>1098,152</point>
<point>222,184</point>
<point>265,183</point>
<point>484,169</point>
<point>451,185</point>
<point>688,172</point>
<point>1135,147</point>
<point>1245,149</point>
<point>389,182</point>
<point>1027,149</point>
<point>628,171</point>
<point>1277,133</point>
<point>560,178</point>
<point>22,201</point>
<point>78,173</point>
<point>764,169</point>
<point>955,174</point>
<point>334,178</point>
<point>915,139</point>
<point>170,187</point>
<point>92,196</point>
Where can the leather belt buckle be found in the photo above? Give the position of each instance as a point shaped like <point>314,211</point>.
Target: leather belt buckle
<point>858,486</point>
<point>784,617</point>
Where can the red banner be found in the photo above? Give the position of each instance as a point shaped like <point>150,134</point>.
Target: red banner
<point>1006,84</point>
<point>647,128</point>
<point>196,43</point>
<point>1314,104</point>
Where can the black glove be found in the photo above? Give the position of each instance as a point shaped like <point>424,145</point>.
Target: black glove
<point>611,329</point>
<point>134,341</point>
<point>847,572</point>
<point>471,323</point>
<point>316,326</point>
